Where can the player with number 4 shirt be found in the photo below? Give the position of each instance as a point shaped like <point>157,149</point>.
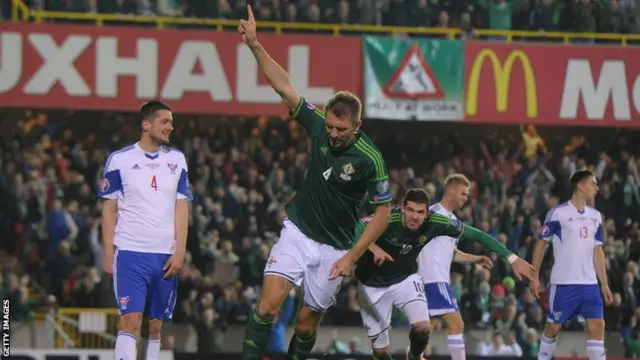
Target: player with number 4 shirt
<point>388,273</point>
<point>145,215</point>
<point>316,246</point>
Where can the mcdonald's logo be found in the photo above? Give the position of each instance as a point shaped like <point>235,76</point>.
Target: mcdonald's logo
<point>502,77</point>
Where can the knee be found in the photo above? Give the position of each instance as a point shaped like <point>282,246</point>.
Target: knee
<point>267,309</point>
<point>456,325</point>
<point>274,291</point>
<point>552,330</point>
<point>421,328</point>
<point>595,329</point>
<point>155,327</point>
<point>131,323</point>
<point>307,321</point>
<point>381,353</point>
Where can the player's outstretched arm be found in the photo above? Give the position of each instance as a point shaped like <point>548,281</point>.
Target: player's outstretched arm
<point>275,74</point>
<point>520,267</point>
<point>487,241</point>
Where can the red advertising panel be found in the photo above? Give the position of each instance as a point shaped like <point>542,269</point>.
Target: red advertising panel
<point>118,68</point>
<point>552,84</point>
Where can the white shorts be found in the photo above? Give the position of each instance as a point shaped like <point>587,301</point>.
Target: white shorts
<point>376,305</point>
<point>305,262</point>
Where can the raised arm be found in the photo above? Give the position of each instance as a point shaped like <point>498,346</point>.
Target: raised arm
<point>275,74</point>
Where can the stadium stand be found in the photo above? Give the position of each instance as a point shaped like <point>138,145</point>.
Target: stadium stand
<point>245,169</point>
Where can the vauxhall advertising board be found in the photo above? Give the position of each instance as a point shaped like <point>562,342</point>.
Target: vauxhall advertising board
<point>196,71</point>
<point>118,68</point>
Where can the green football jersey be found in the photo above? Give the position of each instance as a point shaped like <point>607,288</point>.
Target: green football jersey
<point>404,246</point>
<point>326,206</point>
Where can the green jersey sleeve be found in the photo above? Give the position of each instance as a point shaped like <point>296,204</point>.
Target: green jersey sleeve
<point>376,176</point>
<point>484,239</point>
<point>445,226</point>
<point>310,117</point>
<point>457,229</point>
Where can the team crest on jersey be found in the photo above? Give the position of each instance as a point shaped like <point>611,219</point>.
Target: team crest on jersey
<point>104,185</point>
<point>124,301</point>
<point>173,168</point>
<point>323,148</point>
<point>347,171</point>
<point>422,239</point>
<point>271,261</point>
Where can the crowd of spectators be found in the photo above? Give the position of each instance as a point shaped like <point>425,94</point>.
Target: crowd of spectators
<point>243,171</point>
<point>606,16</point>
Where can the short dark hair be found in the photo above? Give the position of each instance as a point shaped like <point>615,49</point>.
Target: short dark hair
<point>149,109</point>
<point>416,195</point>
<point>579,176</point>
<point>344,103</point>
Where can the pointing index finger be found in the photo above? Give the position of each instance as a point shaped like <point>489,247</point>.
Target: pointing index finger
<point>250,11</point>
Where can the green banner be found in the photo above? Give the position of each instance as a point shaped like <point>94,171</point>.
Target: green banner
<point>413,79</point>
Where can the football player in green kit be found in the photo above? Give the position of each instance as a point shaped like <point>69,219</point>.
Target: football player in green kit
<point>316,247</point>
<point>388,273</point>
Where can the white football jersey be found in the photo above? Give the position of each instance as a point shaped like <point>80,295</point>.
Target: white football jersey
<point>146,187</point>
<point>574,234</point>
<point>434,262</point>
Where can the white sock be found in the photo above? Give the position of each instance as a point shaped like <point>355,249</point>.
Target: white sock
<point>153,349</point>
<point>547,347</point>
<point>455,343</point>
<point>595,350</point>
<point>125,346</point>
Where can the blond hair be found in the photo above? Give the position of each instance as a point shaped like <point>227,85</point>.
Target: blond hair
<point>456,179</point>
